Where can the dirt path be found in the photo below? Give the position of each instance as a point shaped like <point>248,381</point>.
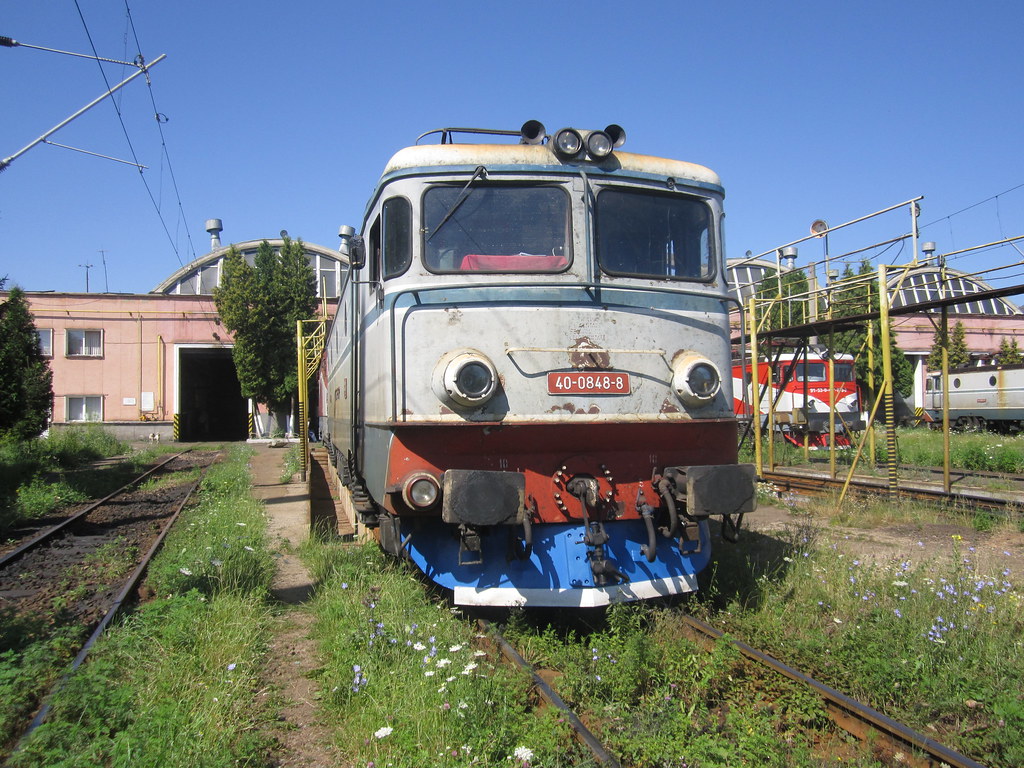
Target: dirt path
<point>303,740</point>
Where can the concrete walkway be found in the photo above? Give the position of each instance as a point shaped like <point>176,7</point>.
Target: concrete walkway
<point>287,506</point>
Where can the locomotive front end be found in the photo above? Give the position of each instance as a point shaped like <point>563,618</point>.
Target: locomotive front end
<point>529,371</point>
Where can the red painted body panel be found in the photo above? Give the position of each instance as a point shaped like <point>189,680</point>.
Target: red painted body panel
<point>622,457</point>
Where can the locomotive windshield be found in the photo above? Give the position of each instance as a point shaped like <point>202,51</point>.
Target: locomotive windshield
<point>819,372</point>
<point>496,229</point>
<point>645,234</point>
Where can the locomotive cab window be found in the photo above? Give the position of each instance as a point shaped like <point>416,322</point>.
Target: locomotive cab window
<point>397,217</point>
<point>496,229</point>
<point>644,234</point>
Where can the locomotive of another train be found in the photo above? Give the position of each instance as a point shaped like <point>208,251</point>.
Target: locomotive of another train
<point>522,390</point>
<point>795,387</point>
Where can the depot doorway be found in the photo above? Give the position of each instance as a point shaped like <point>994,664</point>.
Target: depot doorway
<point>211,406</point>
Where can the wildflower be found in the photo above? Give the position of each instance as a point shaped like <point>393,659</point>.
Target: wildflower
<point>469,668</point>
<point>523,753</point>
<point>231,667</point>
<point>344,585</point>
<point>216,563</point>
<point>478,654</point>
<point>443,662</point>
<point>419,647</point>
<point>241,524</point>
<point>381,733</point>
<point>248,548</point>
<point>185,571</point>
<point>455,648</point>
<point>429,673</point>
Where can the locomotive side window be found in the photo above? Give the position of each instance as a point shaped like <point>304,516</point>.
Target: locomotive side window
<point>641,234</point>
<point>397,214</point>
<point>496,229</point>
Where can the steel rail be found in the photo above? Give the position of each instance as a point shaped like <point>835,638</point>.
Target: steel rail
<point>821,482</point>
<point>583,734</point>
<point>115,607</point>
<point>860,712</point>
<point>14,554</point>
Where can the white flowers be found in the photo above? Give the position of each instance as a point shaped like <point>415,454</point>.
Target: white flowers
<point>525,754</point>
<point>469,668</point>
<point>381,733</point>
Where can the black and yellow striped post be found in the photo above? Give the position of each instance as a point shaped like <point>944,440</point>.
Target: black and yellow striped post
<point>177,427</point>
<point>887,389</point>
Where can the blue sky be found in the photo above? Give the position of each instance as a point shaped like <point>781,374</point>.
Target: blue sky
<point>282,116</point>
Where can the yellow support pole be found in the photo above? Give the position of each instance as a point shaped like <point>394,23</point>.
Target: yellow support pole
<point>303,395</point>
<point>755,400</point>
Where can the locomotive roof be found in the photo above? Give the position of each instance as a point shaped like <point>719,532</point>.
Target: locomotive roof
<point>514,157</point>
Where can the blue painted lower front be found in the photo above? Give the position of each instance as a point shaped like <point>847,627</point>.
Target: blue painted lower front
<point>557,564</point>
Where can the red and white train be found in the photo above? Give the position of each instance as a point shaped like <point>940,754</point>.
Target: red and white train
<point>795,387</point>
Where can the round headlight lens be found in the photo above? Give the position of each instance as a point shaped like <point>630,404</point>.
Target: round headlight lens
<point>568,142</point>
<point>474,380</point>
<point>703,380</point>
<point>423,492</point>
<point>695,379</point>
<point>465,378</point>
<point>599,144</point>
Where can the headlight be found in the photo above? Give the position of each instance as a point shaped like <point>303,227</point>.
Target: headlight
<point>695,379</point>
<point>599,145</point>
<point>465,377</point>
<point>567,142</point>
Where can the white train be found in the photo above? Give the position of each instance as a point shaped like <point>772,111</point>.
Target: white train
<point>990,396</point>
<point>523,387</point>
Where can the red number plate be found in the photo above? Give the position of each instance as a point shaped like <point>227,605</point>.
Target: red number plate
<point>588,383</point>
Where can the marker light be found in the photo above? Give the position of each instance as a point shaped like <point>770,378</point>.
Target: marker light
<point>421,490</point>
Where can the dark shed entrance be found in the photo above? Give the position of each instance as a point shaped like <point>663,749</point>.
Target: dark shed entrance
<point>212,407</point>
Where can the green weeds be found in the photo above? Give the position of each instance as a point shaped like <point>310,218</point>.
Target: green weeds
<point>932,639</point>
<point>406,683</point>
<point>176,683</point>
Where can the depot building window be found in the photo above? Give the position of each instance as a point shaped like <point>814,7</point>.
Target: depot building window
<point>84,343</point>
<point>45,338</point>
<point>83,408</point>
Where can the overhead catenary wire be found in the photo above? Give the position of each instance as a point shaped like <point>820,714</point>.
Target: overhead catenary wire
<point>149,191</point>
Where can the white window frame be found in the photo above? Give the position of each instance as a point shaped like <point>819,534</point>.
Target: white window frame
<point>69,410</point>
<point>84,331</point>
<point>46,349</point>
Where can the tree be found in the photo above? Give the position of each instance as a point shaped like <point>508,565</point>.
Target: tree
<point>788,311</point>
<point>959,354</point>
<point>860,296</point>
<point>1009,352</point>
<point>26,381</point>
<point>260,305</point>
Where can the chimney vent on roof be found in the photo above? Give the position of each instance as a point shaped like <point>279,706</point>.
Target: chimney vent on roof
<point>214,227</point>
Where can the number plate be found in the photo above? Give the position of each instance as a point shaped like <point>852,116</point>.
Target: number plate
<point>588,383</point>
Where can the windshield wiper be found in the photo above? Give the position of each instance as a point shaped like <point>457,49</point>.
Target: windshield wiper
<point>479,173</point>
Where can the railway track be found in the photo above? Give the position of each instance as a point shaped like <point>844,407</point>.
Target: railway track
<point>63,574</point>
<point>816,483</point>
<point>888,740</point>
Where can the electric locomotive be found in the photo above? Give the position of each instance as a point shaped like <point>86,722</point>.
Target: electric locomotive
<point>522,388</point>
<point>796,389</point>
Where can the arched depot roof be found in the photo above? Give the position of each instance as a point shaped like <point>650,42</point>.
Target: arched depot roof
<point>201,276</point>
<point>914,287</point>
<point>925,284</point>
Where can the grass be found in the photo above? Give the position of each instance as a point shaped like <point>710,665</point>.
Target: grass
<point>933,639</point>
<point>175,683</point>
<point>407,683</point>
<point>28,486</point>
<point>971,451</point>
